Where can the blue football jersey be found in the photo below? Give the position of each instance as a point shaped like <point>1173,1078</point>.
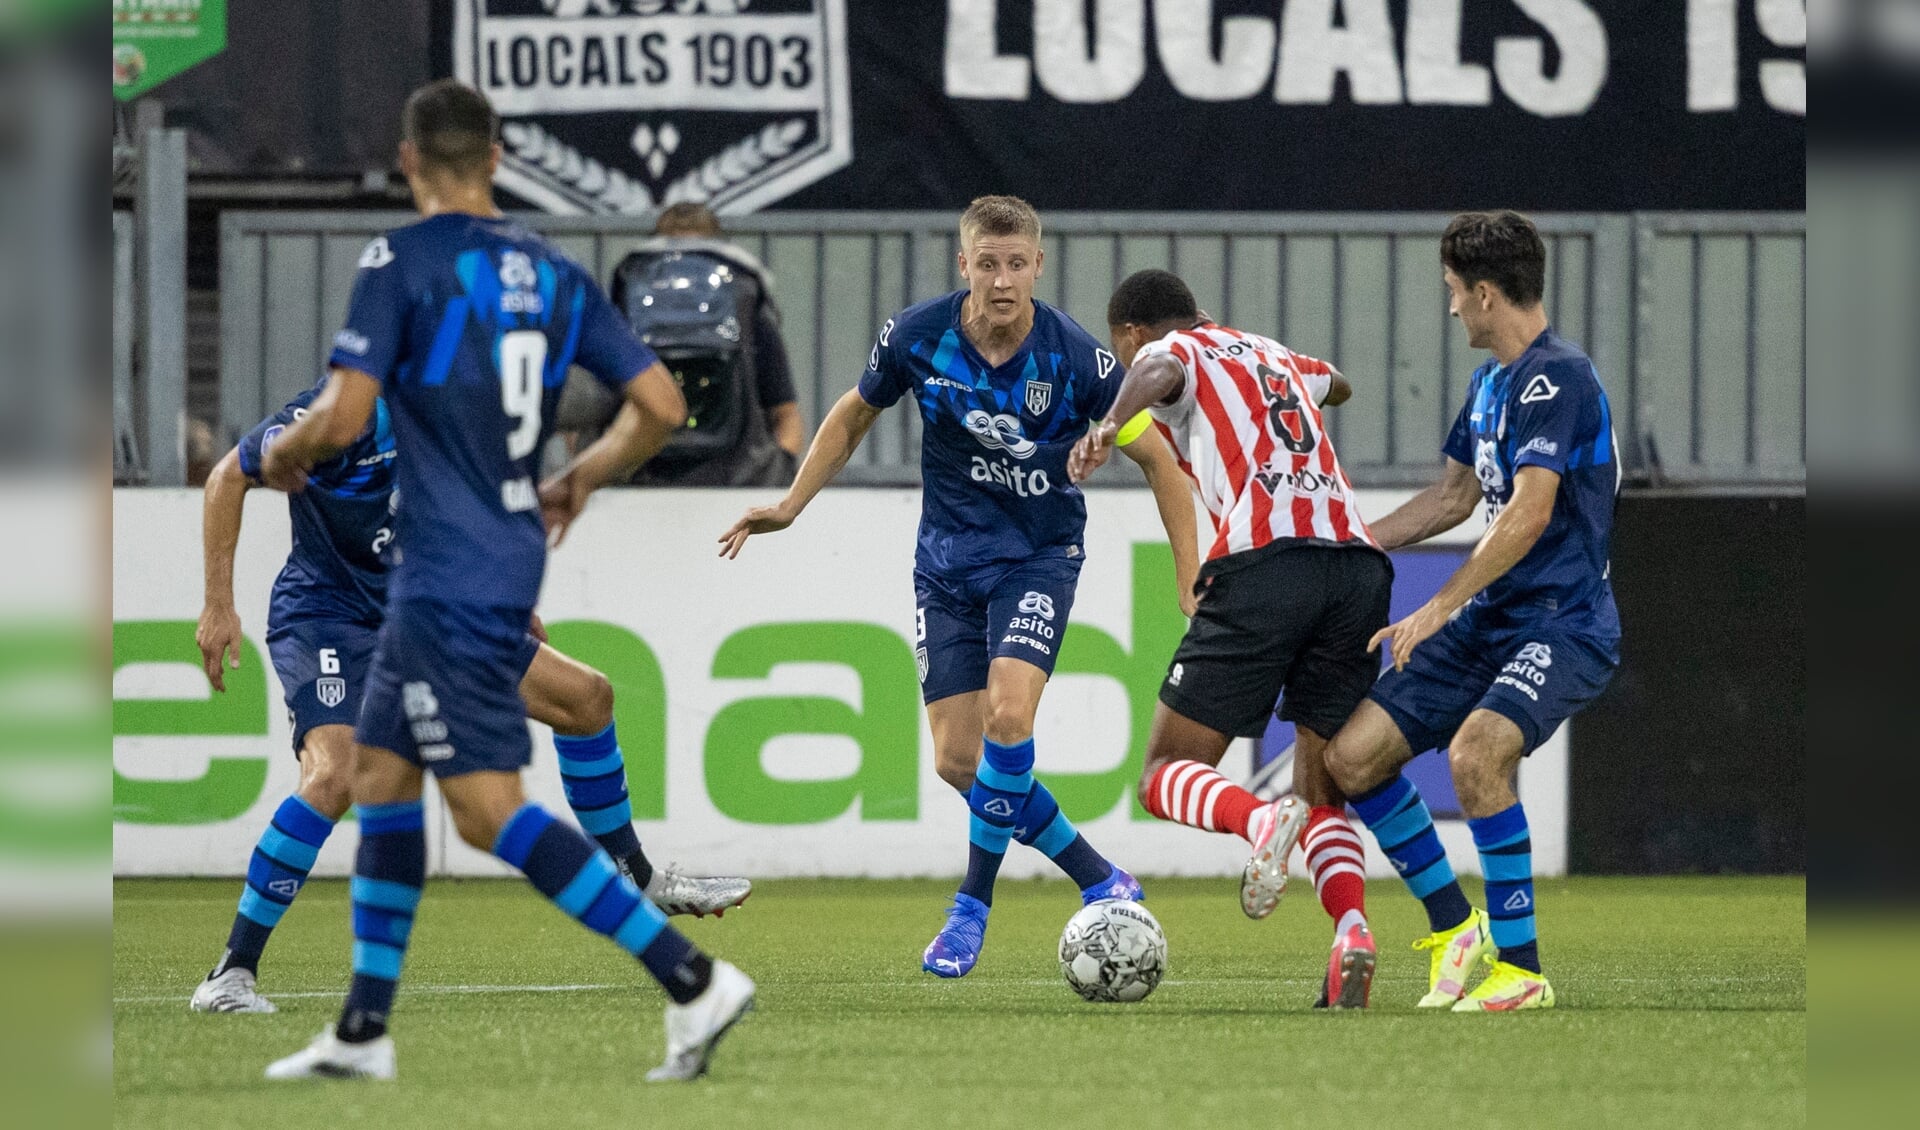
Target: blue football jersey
<point>993,452</point>
<point>341,523</point>
<point>470,324</point>
<point>1548,410</point>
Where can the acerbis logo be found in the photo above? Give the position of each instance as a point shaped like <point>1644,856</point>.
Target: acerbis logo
<point>999,806</point>
<point>1518,900</point>
<point>1538,654</point>
<point>1539,388</point>
<point>286,888</point>
<point>1037,603</point>
<point>1000,432</point>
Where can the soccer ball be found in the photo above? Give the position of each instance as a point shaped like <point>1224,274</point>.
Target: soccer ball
<point>1113,950</point>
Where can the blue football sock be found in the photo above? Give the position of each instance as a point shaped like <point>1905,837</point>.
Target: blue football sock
<point>582,881</point>
<point>388,874</point>
<point>1506,859</point>
<point>1399,820</point>
<point>275,874</point>
<point>595,777</point>
<point>1042,825</point>
<point>999,792</point>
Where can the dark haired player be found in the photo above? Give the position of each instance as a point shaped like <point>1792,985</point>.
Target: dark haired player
<point>322,623</point>
<point>465,323</point>
<point>1520,638</point>
<point>1292,590</point>
<point>1005,386</point>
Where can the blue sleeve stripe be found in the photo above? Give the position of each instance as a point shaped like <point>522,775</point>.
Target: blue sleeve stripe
<point>988,837</point>
<point>598,767</point>
<point>264,911</point>
<point>302,821</point>
<point>1507,868</point>
<point>598,822</point>
<point>1060,833</point>
<point>373,959</point>
<point>580,892</point>
<point>586,748</point>
<point>641,927</point>
<point>446,342</point>
<point>385,894</point>
<point>382,819</point>
<point>287,851</point>
<point>517,837</point>
<point>1003,782</point>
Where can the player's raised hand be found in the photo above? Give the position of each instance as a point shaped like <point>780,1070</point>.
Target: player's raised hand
<point>562,498</point>
<point>1409,634</point>
<point>759,520</point>
<point>1093,450</point>
<point>219,639</point>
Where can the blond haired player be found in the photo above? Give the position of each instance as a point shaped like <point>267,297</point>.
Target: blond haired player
<point>1005,385</point>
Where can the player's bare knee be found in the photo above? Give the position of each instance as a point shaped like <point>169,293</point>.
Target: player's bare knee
<point>956,768</point>
<point>477,826</point>
<point>1009,722</point>
<point>329,790</point>
<point>594,712</point>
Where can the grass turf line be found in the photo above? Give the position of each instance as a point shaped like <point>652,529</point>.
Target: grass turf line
<point>1682,1002</point>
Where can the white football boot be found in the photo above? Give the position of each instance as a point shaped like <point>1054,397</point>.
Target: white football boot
<point>330,1057</point>
<point>230,991</point>
<point>1274,829</point>
<point>694,1029</point>
<point>677,893</point>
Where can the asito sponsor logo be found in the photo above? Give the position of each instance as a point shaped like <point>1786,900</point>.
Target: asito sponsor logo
<point>622,106</point>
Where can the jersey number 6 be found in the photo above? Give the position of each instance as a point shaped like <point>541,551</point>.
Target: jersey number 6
<point>523,358</point>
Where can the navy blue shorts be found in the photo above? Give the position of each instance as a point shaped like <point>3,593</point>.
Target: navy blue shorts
<point>444,688</point>
<point>1537,675</point>
<point>322,666</point>
<point>962,626</point>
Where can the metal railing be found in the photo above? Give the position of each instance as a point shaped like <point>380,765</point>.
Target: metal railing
<point>1695,321</point>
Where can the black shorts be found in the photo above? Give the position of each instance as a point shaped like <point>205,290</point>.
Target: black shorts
<point>1289,620</point>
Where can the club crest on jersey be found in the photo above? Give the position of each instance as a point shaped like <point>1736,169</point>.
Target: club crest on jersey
<point>330,690</point>
<point>619,107</point>
<point>1039,395</point>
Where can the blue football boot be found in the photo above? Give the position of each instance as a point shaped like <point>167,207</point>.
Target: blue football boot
<point>1118,885</point>
<point>956,947</point>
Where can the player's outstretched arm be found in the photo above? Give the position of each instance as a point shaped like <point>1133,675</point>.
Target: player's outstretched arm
<point>1509,538</point>
<point>335,419</point>
<point>1435,510</point>
<point>847,423</point>
<point>1173,495</point>
<point>654,408</point>
<point>1152,381</point>
<point>223,504</point>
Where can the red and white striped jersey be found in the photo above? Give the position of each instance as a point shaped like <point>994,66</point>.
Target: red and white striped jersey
<point>1247,430</point>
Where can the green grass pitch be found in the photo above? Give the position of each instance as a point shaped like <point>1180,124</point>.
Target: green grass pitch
<point>1682,1002</point>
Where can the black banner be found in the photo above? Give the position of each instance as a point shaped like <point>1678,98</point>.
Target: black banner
<point>1326,104</point>
<point>623,105</point>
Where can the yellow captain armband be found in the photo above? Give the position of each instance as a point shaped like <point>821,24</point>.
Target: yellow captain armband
<point>1133,429</point>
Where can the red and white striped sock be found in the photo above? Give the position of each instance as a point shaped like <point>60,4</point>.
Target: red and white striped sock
<point>1190,793</point>
<point>1339,865</point>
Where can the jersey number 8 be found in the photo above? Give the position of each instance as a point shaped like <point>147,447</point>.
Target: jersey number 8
<point>523,358</point>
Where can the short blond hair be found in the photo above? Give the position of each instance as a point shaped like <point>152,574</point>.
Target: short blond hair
<point>998,216</point>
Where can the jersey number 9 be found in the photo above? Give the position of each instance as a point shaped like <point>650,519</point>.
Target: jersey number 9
<point>523,358</point>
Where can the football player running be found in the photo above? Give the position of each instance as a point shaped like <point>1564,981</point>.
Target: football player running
<point>1005,385</point>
